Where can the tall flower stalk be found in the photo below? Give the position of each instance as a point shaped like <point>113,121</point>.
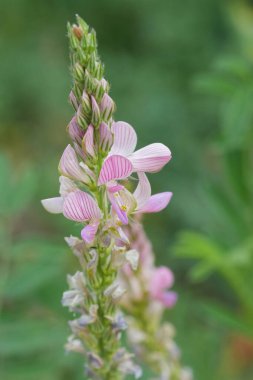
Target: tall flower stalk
<point>96,170</point>
<point>148,296</point>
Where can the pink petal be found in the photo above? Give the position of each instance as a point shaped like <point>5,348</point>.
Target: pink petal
<point>80,207</point>
<point>53,205</point>
<point>156,203</point>
<point>75,132</point>
<point>88,141</point>
<point>115,167</point>
<point>69,166</point>
<point>125,139</point>
<point>114,187</point>
<point>162,278</point>
<point>143,190</point>
<point>151,158</point>
<point>88,233</point>
<point>105,135</point>
<point>168,299</point>
<point>121,212</point>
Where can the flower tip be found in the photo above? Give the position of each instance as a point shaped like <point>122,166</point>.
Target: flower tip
<point>53,205</point>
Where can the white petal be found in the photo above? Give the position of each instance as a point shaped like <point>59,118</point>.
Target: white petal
<point>125,139</point>
<point>53,205</point>
<point>132,257</point>
<point>143,190</point>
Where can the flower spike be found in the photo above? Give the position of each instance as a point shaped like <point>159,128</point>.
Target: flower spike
<point>116,273</point>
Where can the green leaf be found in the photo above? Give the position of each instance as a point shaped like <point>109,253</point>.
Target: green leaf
<point>227,318</point>
<point>28,336</point>
<point>36,263</point>
<point>237,121</point>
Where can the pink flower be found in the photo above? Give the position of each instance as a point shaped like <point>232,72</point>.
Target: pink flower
<point>117,195</point>
<point>122,160</point>
<point>81,207</point>
<point>161,279</point>
<point>76,205</point>
<point>147,203</point>
<point>69,166</point>
<point>140,202</point>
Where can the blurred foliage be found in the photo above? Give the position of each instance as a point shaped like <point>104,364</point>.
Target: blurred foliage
<point>181,73</point>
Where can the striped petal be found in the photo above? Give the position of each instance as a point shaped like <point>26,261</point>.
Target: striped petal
<point>53,205</point>
<point>156,203</point>
<point>88,233</point>
<point>118,206</point>
<point>151,158</point>
<point>125,138</point>
<point>88,141</point>
<point>80,207</point>
<point>69,166</point>
<point>143,191</point>
<point>75,132</point>
<point>115,167</point>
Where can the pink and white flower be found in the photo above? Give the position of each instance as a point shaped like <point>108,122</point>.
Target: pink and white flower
<point>76,205</point>
<point>81,207</point>
<point>147,203</point>
<point>123,160</point>
<point>141,201</point>
<point>162,278</point>
<point>69,166</point>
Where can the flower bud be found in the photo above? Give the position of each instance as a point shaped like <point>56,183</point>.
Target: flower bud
<point>73,100</point>
<point>77,31</point>
<point>82,24</point>
<point>91,65</point>
<point>78,90</point>
<point>81,119</point>
<point>99,70</point>
<point>95,118</point>
<point>78,72</point>
<point>88,82</point>
<point>86,106</point>
<point>106,107</point>
<point>105,85</point>
<point>75,133</point>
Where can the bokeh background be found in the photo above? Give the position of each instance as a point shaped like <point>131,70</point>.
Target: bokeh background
<point>181,73</point>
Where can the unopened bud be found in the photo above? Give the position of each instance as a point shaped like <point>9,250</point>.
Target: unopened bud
<point>86,103</point>
<point>95,118</point>
<point>106,107</point>
<point>105,85</point>
<point>77,91</point>
<point>81,119</point>
<point>82,24</point>
<point>99,70</point>
<point>77,31</point>
<point>75,133</point>
<point>88,82</point>
<point>73,100</point>
<point>78,72</point>
<point>91,65</point>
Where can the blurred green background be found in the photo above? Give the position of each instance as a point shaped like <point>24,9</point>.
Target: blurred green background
<point>181,73</point>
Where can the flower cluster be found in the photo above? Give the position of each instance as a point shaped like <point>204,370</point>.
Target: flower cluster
<point>148,295</point>
<point>95,172</point>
